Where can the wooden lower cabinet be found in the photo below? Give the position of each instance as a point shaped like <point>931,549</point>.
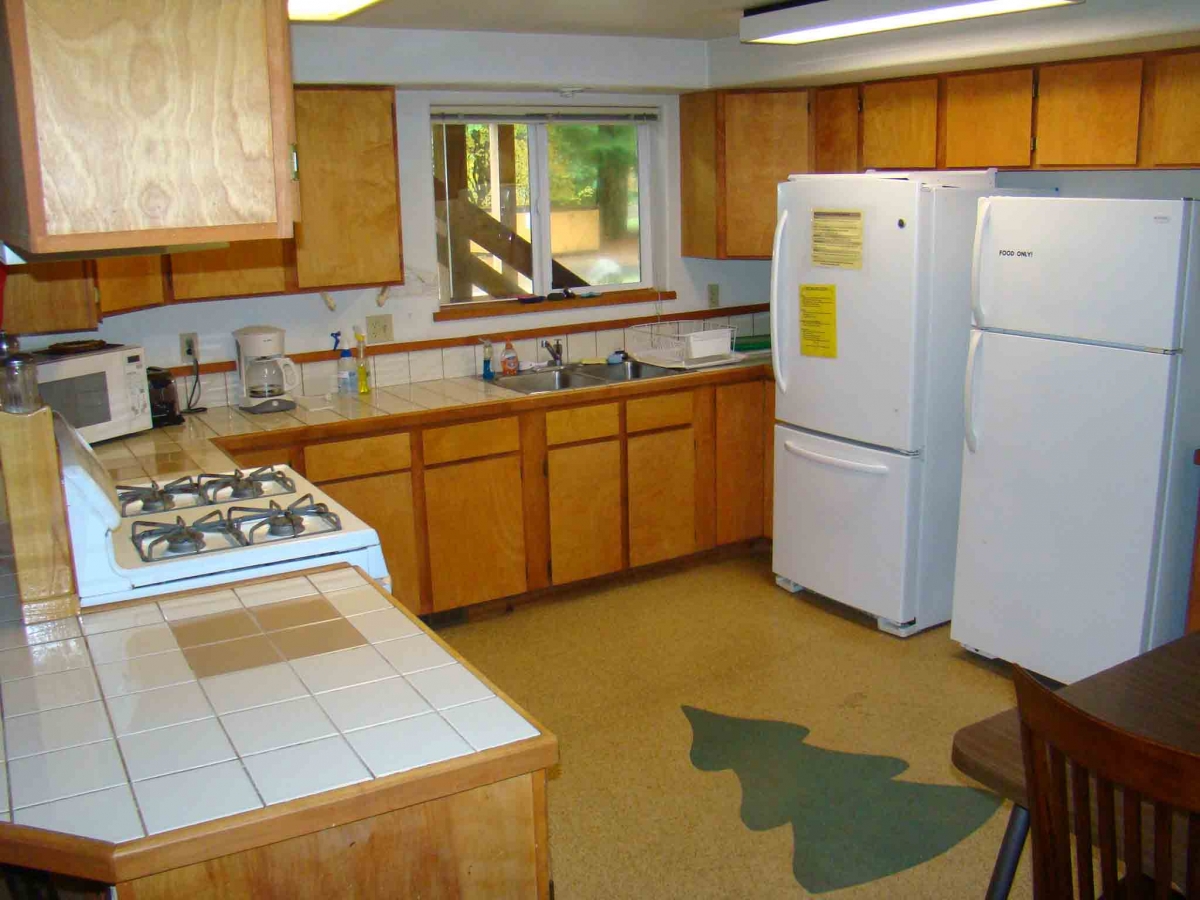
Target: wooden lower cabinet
<point>585,510</point>
<point>385,502</point>
<point>476,529</point>
<point>739,462</point>
<point>662,495</point>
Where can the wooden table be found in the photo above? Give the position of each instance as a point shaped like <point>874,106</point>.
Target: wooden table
<point>1156,695</point>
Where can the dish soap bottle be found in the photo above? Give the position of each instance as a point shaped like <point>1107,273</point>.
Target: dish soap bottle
<point>509,364</point>
<point>488,374</point>
<point>364,379</point>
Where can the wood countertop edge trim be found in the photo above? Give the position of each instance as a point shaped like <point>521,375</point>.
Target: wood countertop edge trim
<point>357,428</point>
<point>496,308</point>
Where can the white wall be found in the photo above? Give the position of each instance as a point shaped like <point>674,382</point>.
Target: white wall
<point>1148,184</point>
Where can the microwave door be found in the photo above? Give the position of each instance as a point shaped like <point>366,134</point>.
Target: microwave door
<point>83,400</point>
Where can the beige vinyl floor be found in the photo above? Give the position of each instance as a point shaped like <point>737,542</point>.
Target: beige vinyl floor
<point>607,669</point>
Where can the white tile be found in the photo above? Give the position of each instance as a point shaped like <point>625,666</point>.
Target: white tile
<point>159,708</point>
<point>762,323</point>
<point>108,815</point>
<point>43,659</point>
<point>407,744</point>
<point>543,355</point>
<point>65,773</point>
<point>305,769</point>
<point>118,619</point>
<point>415,654</point>
<point>331,671</point>
<point>526,351</point>
<point>274,591</point>
<point>373,704</point>
<point>319,377</point>
<point>49,692</point>
<point>425,365</point>
<point>337,580</point>
<point>191,745</point>
<point>743,324</point>
<point>199,605</point>
<point>199,795</point>
<point>111,646</point>
<point>390,368</point>
<point>580,346</point>
<point>57,729</point>
<point>216,389</point>
<point>144,673</point>
<point>252,687</point>
<point>15,634</point>
<point>448,686</point>
<point>608,341</point>
<point>278,725</point>
<point>385,625</point>
<point>356,601</point>
<point>717,320</point>
<point>489,723</point>
<point>458,362</point>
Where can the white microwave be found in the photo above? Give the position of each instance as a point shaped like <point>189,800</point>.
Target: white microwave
<point>103,393</point>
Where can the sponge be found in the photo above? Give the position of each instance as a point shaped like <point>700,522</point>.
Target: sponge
<point>593,361</point>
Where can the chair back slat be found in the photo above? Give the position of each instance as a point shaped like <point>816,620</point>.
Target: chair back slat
<point>1080,784</point>
<point>1131,812</point>
<point>1162,851</point>
<point>1107,816</point>
<point>1060,819</point>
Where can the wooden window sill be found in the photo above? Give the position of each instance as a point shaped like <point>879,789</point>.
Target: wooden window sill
<point>490,308</point>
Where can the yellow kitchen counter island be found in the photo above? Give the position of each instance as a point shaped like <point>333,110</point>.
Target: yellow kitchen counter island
<point>295,736</point>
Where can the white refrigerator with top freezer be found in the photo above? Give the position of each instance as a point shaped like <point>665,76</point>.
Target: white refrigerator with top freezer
<point>1082,412</point>
<point>870,321</point>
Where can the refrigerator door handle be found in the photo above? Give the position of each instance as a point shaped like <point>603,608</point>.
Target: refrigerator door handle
<point>981,224</point>
<point>776,359</point>
<point>969,393</point>
<point>868,468</point>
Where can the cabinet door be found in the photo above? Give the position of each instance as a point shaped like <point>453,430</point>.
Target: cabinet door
<point>698,174</point>
<point>989,119</point>
<point>739,440</point>
<point>476,531</point>
<point>126,283</point>
<point>585,511</point>
<point>836,112</point>
<point>1175,100</point>
<point>1088,113</point>
<point>42,298</point>
<point>766,140</point>
<point>662,495</point>
<point>239,270</point>
<point>385,502</point>
<point>349,188</point>
<point>900,124</point>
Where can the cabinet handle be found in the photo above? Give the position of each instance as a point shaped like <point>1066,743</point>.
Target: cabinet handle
<point>295,163</point>
<point>836,462</point>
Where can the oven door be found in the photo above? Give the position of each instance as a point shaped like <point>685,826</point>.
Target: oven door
<point>102,396</point>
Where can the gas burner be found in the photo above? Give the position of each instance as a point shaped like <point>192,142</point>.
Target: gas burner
<point>264,523</point>
<point>154,498</point>
<point>178,538</point>
<point>241,486</point>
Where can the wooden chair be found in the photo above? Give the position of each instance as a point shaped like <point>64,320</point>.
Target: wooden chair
<point>1104,760</point>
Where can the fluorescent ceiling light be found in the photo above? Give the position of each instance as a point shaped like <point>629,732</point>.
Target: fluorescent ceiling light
<point>826,20</point>
<point>324,10</point>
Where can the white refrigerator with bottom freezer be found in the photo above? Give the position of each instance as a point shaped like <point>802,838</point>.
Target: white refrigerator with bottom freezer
<point>1082,412</point>
<point>870,322</point>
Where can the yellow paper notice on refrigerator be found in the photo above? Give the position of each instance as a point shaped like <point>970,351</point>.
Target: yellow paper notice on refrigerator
<point>818,320</point>
<point>837,238</point>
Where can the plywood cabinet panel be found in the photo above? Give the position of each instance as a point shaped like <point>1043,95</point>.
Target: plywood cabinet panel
<point>126,283</point>
<point>582,423</point>
<point>476,531</point>
<point>900,124</point>
<point>698,173</point>
<point>585,511</point>
<point>44,298</point>
<point>244,269</point>
<point>989,119</point>
<point>1088,113</point>
<point>1174,138</point>
<point>474,439</point>
<point>739,463</point>
<point>362,456</point>
<point>661,411</point>
<point>836,129</point>
<point>662,496</point>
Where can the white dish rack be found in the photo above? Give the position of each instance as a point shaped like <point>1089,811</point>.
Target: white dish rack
<point>659,345</point>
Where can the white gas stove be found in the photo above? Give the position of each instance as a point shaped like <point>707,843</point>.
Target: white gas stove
<point>143,537</point>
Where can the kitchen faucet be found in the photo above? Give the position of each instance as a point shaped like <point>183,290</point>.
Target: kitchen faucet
<point>555,351</point>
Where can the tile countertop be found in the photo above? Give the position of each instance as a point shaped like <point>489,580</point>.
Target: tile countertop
<point>154,716</point>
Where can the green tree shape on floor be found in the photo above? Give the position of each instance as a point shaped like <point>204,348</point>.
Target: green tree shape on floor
<point>852,823</point>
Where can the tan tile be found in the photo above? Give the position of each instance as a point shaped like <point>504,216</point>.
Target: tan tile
<point>312,640</point>
<point>222,626</point>
<point>121,474</point>
<point>231,656</point>
<point>293,613</point>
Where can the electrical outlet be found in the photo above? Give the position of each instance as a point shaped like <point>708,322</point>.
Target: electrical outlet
<point>714,296</point>
<point>379,329</point>
<point>189,347</point>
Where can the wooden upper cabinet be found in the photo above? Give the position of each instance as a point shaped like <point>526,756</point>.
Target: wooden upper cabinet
<point>1174,126</point>
<point>735,148</point>
<point>836,129</point>
<point>244,269</point>
<point>127,283</point>
<point>989,119</point>
<point>49,297</point>
<point>900,124</point>
<point>1088,113</point>
<point>136,124</point>
<point>349,188</point>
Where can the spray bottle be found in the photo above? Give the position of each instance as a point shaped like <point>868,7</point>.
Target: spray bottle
<point>364,380</point>
<point>488,374</point>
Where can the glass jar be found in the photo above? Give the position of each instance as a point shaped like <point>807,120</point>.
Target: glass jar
<point>19,387</point>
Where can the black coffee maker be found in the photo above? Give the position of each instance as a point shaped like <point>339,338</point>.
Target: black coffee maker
<point>164,402</point>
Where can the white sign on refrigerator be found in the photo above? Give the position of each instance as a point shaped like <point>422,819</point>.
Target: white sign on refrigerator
<point>837,238</point>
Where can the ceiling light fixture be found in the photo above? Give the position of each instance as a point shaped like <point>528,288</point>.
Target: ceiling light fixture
<point>807,21</point>
<point>324,10</point>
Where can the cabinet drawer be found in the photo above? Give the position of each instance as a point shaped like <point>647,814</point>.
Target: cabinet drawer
<point>566,426</point>
<point>363,456</point>
<point>663,411</point>
<point>472,440</point>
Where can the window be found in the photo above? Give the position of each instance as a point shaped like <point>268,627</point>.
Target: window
<point>535,202</point>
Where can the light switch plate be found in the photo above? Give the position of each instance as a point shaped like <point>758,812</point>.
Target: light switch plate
<point>714,296</point>
<point>379,329</point>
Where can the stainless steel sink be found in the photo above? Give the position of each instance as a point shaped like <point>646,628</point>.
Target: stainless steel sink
<point>549,380</point>
<point>630,370</point>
